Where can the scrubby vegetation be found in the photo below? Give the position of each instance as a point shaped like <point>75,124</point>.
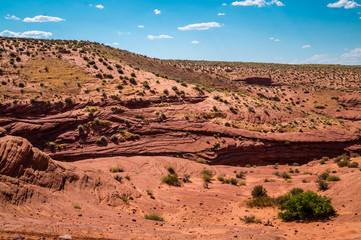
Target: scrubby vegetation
<point>154,217</point>
<point>306,206</point>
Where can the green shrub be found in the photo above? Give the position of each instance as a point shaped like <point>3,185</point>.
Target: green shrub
<point>118,178</point>
<point>201,160</point>
<point>261,202</point>
<point>296,191</point>
<point>353,165</point>
<point>116,169</point>
<point>250,219</point>
<point>306,206</point>
<point>146,85</point>
<point>221,179</point>
<point>170,169</point>
<point>343,163</point>
<point>241,175</point>
<point>80,128</point>
<point>285,175</point>
<point>333,178</point>
<point>259,191</point>
<point>172,180</point>
<point>207,175</point>
<point>154,217</point>
<point>287,143</point>
<point>21,84</point>
<point>68,100</point>
<point>322,185</point>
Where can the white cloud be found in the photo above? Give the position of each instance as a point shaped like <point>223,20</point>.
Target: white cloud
<point>12,17</point>
<point>157,11</point>
<point>42,19</point>
<point>152,37</point>
<point>318,58</point>
<point>115,43</point>
<point>347,4</point>
<point>224,4</point>
<point>195,42</point>
<point>221,14</point>
<point>259,3</point>
<point>141,26</point>
<point>306,46</point>
<point>353,54</point>
<point>99,6</point>
<point>274,39</point>
<point>123,33</point>
<point>27,34</point>
<point>200,26</point>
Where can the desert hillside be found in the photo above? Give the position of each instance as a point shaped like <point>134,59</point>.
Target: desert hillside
<point>93,139</point>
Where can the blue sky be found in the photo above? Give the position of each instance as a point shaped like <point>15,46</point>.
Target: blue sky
<point>283,31</point>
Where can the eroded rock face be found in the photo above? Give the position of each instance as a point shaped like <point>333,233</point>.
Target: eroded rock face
<point>28,173</point>
<point>19,159</point>
<point>353,100</point>
<point>23,169</point>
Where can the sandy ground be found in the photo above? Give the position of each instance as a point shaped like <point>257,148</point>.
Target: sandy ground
<point>190,211</point>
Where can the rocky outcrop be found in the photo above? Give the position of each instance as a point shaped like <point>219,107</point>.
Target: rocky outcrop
<point>352,100</point>
<point>28,173</point>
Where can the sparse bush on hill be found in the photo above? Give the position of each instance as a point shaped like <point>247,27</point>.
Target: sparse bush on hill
<point>172,178</point>
<point>207,175</point>
<point>306,206</point>
<point>259,191</point>
<point>250,219</point>
<point>154,217</point>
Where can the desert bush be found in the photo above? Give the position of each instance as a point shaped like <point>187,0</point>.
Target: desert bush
<point>261,202</point>
<point>353,165</point>
<point>116,169</point>
<point>146,85</point>
<point>306,206</point>
<point>207,175</point>
<point>343,163</point>
<point>80,128</point>
<point>154,217</point>
<point>333,178</point>
<point>241,175</point>
<point>133,81</point>
<point>285,175</point>
<point>296,191</point>
<point>259,191</point>
<point>221,179</point>
<point>172,180</point>
<point>201,160</point>
<point>118,178</point>
<point>322,185</point>
<point>250,219</point>
<point>68,100</point>
<point>170,169</point>
<point>287,143</point>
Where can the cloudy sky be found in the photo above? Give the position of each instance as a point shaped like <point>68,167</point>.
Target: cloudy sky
<point>283,31</point>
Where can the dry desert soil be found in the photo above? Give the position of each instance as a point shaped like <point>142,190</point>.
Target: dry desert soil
<point>101,143</point>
